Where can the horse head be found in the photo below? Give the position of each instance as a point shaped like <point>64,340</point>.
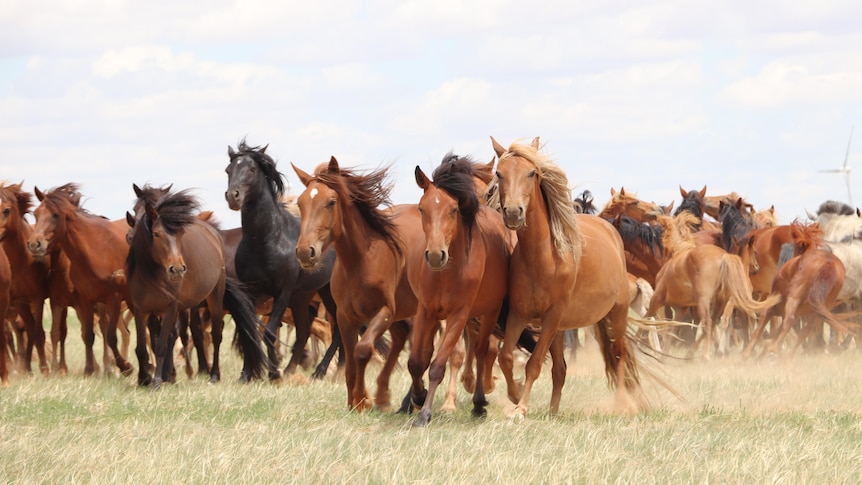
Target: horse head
<point>251,172</point>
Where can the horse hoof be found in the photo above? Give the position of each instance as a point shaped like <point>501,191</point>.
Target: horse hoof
<point>214,379</point>
<point>318,374</point>
<point>480,412</point>
<point>157,384</point>
<point>422,419</point>
<point>244,378</point>
<point>144,380</point>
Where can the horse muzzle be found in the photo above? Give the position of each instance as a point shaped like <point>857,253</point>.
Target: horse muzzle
<point>308,257</point>
<point>436,260</point>
<point>38,248</point>
<point>513,217</point>
<point>234,199</point>
<point>176,272</point>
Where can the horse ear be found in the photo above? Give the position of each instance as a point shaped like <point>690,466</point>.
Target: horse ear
<point>669,207</point>
<point>682,192</point>
<point>230,152</point>
<point>622,191</point>
<point>130,219</point>
<point>702,192</point>
<point>535,143</point>
<point>421,179</point>
<point>263,150</point>
<point>151,211</point>
<point>39,194</point>
<point>333,165</point>
<point>613,192</point>
<point>303,176</point>
<point>498,149</point>
<point>138,191</point>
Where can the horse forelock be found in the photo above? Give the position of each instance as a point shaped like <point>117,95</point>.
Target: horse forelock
<point>177,210</point>
<point>22,200</point>
<point>455,176</point>
<point>57,198</point>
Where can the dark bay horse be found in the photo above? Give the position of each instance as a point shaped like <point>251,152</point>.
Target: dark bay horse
<point>347,212</point>
<point>265,259</point>
<point>175,262</point>
<point>460,272</point>
<point>567,271</point>
<point>29,287</point>
<point>97,250</point>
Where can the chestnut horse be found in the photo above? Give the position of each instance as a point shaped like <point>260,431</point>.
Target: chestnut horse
<point>175,262</point>
<point>627,204</point>
<point>567,271</point>
<point>266,255</point>
<point>5,284</point>
<point>460,272</point>
<point>97,251</point>
<point>809,284</point>
<point>705,277</point>
<point>343,210</point>
<point>29,287</point>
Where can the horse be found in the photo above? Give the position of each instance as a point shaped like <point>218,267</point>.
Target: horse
<point>266,255</point>
<point>809,284</point>
<point>626,203</point>
<point>29,287</point>
<point>566,271</point>
<point>97,251</point>
<point>460,272</point>
<point>842,232</point>
<point>705,277</point>
<point>176,261</point>
<point>343,211</point>
<point>5,284</point>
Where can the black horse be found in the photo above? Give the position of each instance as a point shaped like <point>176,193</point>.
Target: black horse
<point>265,258</point>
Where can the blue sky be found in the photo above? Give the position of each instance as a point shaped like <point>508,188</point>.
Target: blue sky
<point>752,97</point>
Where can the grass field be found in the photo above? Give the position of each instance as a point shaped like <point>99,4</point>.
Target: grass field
<point>740,422</point>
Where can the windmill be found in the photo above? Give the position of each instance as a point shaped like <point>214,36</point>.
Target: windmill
<point>844,169</point>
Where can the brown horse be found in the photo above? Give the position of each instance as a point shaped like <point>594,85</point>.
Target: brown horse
<point>97,251</point>
<point>809,284</point>
<point>5,284</point>
<point>567,271</point>
<point>705,277</point>
<point>627,204</point>
<point>30,285</point>
<point>342,209</point>
<point>176,261</point>
<point>460,272</point>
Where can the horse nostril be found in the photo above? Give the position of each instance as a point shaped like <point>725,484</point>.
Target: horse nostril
<point>427,256</point>
<point>311,252</point>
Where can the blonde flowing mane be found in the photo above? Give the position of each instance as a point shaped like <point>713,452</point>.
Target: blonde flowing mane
<point>677,231</point>
<point>557,194</point>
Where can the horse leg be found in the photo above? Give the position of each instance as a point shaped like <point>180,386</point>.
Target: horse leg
<point>514,327</point>
<point>758,332</point>
<point>534,363</point>
<point>197,328</point>
<point>468,377</point>
<point>32,315</point>
<point>336,344</point>
<point>362,353</point>
<point>183,333</point>
<point>161,337</point>
<point>86,314</point>
<point>789,322</point>
<point>113,313</point>
<point>456,363</point>
<point>452,334</point>
<point>141,351</point>
<point>704,312</point>
<point>400,332</point>
<point>558,370</point>
<point>59,330</point>
<point>422,348</point>
<point>279,305</point>
<point>349,335</point>
<point>481,348</point>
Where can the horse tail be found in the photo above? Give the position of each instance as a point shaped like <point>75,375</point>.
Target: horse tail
<point>244,313</point>
<point>528,338</point>
<point>736,283</point>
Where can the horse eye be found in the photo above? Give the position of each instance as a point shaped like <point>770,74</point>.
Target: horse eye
<point>531,174</point>
<point>330,204</point>
<point>498,175</point>
<point>7,211</point>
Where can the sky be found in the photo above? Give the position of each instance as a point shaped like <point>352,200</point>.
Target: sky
<point>752,97</point>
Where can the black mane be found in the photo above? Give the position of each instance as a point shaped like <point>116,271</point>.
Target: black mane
<point>455,176</point>
<point>266,164</point>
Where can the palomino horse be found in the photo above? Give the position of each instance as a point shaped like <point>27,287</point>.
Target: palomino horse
<point>567,271</point>
<point>460,272</point>
<point>809,284</point>
<point>97,251</point>
<point>266,256</point>
<point>344,210</point>
<point>30,285</point>
<point>176,261</point>
<point>705,277</point>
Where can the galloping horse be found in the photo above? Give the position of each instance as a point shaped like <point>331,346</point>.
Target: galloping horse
<point>567,271</point>
<point>342,209</point>
<point>809,284</point>
<point>460,272</point>
<point>176,261</point>
<point>266,256</point>
<point>97,251</point>
<point>29,287</point>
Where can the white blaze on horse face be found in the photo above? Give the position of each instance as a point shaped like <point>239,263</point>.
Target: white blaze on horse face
<point>313,193</point>
<point>437,199</point>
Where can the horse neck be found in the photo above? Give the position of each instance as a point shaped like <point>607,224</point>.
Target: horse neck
<point>87,243</point>
<point>264,215</point>
<point>535,236</point>
<point>351,238</point>
<point>15,246</point>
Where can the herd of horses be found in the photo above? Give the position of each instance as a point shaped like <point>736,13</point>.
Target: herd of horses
<point>494,257</point>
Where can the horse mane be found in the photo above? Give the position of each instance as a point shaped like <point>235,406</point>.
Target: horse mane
<point>69,193</point>
<point>584,203</point>
<point>677,231</point>
<point>634,232</point>
<point>266,164</point>
<point>835,207</point>
<point>368,193</point>
<point>24,200</point>
<point>455,176</point>
<point>558,197</point>
<point>805,236</point>
<point>692,203</point>
<point>735,224</point>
